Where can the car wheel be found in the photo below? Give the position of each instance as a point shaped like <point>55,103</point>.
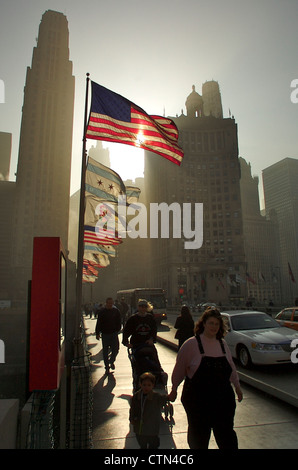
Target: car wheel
<point>244,356</point>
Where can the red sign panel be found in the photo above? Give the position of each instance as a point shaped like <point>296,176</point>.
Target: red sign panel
<point>47,320</point>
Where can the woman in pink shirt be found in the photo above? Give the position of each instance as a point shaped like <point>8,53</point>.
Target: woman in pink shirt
<point>206,364</point>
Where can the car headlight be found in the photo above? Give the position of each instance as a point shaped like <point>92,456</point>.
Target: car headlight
<point>266,347</point>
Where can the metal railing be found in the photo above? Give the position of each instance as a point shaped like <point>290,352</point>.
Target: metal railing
<point>82,398</point>
<point>40,434</point>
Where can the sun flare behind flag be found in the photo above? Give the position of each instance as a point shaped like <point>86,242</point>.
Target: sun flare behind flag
<point>114,118</point>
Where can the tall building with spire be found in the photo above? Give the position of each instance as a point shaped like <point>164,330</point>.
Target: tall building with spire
<point>44,162</point>
<point>210,175</point>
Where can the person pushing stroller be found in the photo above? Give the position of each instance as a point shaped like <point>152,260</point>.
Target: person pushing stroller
<point>139,333</point>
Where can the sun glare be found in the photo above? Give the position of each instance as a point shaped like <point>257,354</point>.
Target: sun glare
<point>127,161</point>
<point>140,139</point>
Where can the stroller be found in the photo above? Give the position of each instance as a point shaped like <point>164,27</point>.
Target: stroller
<point>144,358</point>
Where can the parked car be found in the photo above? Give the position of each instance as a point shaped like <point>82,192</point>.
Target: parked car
<point>202,307</point>
<point>256,338</point>
<point>288,317</point>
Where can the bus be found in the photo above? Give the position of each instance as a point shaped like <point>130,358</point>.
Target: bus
<point>156,296</point>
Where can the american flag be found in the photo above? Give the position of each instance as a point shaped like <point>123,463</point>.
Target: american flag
<point>89,270</point>
<point>114,118</point>
<point>89,265</point>
<point>100,236</point>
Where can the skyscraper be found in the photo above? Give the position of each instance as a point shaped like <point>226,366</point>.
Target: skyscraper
<point>5,153</point>
<point>209,174</point>
<point>281,195</point>
<point>44,163</point>
<point>261,243</point>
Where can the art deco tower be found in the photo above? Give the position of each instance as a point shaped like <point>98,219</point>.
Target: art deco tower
<point>44,164</point>
<point>210,175</point>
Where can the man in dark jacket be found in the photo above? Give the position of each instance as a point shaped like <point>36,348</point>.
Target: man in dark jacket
<point>108,325</point>
<point>140,328</point>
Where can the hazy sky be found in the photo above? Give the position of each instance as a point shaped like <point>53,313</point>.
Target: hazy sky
<point>152,52</point>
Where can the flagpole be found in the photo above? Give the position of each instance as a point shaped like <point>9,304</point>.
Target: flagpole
<point>80,253</point>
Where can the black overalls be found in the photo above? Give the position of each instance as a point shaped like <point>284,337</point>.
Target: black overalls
<point>209,402</point>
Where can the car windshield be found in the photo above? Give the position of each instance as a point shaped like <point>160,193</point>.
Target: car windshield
<point>253,322</point>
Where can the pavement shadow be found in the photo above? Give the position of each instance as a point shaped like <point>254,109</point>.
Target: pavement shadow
<point>97,358</point>
<point>102,392</point>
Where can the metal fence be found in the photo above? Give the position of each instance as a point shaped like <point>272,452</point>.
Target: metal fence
<point>40,433</point>
<point>82,404</point>
<point>74,408</point>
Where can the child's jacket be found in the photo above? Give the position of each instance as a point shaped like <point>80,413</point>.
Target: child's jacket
<point>145,412</point>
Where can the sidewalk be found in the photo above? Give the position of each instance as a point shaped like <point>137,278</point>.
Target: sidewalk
<point>111,395</point>
<point>260,422</point>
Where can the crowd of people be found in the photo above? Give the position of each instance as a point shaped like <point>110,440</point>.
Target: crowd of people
<point>204,364</point>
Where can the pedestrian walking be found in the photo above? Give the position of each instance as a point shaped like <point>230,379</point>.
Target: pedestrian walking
<point>108,326</point>
<point>206,363</point>
<point>184,325</point>
<point>145,412</point>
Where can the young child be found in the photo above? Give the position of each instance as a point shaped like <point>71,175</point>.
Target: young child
<point>145,412</point>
